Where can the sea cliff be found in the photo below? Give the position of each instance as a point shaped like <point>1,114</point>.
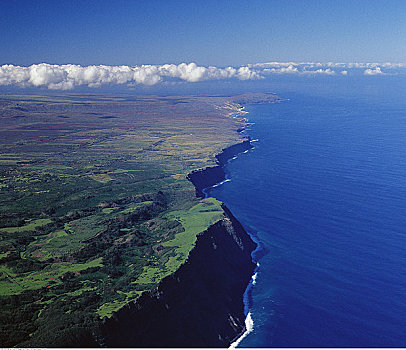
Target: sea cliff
<point>203,178</point>
<point>201,304</point>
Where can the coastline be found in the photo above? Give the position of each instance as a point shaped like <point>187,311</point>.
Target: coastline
<point>219,327</point>
<point>222,327</point>
<point>233,267</point>
<point>223,159</point>
<point>211,176</point>
<point>224,319</point>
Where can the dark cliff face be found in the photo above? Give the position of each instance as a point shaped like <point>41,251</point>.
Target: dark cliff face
<point>201,305</point>
<point>209,176</point>
<point>229,152</point>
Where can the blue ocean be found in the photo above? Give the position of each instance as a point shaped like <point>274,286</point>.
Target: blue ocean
<point>324,193</point>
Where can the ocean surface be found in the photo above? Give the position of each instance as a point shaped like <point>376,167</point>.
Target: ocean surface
<point>324,193</point>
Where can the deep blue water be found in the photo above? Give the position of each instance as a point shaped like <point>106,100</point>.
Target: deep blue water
<point>324,191</point>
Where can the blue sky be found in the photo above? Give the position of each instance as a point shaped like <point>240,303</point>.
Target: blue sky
<point>208,32</point>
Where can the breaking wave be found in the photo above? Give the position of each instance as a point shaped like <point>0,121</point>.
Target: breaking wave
<point>249,327</point>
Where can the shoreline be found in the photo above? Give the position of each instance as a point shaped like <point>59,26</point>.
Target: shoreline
<point>208,177</point>
<point>222,264</point>
<point>223,158</point>
<point>248,322</point>
<point>225,326</point>
<point>228,323</point>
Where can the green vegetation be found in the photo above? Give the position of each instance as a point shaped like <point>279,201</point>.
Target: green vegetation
<point>107,309</point>
<point>13,283</point>
<point>195,220</point>
<point>31,226</point>
<point>95,210</point>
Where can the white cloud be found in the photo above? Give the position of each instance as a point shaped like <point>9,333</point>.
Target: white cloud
<point>376,71</point>
<point>46,75</point>
<point>298,69</point>
<point>290,69</point>
<point>273,64</point>
<point>68,76</point>
<point>190,72</point>
<point>11,75</point>
<point>392,65</point>
<point>348,65</point>
<point>245,73</point>
<point>327,71</point>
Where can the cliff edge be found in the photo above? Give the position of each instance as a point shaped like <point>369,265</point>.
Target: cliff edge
<point>201,304</point>
<point>203,178</point>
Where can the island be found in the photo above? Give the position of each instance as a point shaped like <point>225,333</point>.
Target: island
<point>106,236</point>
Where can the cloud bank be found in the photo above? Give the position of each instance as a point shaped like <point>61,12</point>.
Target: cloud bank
<point>69,76</point>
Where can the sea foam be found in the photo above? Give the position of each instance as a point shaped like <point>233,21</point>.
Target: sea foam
<point>254,278</point>
<point>220,183</point>
<point>249,327</point>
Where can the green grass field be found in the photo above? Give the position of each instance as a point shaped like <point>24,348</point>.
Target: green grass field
<point>12,283</point>
<point>30,226</point>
